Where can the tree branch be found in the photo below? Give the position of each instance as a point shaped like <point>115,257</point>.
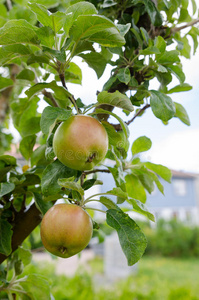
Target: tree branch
<point>25,223</point>
<point>176,29</point>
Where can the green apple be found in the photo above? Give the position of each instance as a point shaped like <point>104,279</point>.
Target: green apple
<point>66,229</point>
<point>80,142</point>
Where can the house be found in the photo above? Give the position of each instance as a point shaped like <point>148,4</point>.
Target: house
<point>180,199</point>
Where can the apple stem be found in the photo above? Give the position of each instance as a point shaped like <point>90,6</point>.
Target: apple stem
<point>97,209</point>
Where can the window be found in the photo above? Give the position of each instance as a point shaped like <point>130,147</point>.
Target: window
<point>180,187</point>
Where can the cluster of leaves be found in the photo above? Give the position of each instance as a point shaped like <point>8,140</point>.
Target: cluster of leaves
<point>13,282</point>
<point>42,41</point>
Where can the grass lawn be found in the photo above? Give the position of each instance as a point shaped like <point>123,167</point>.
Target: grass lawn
<point>157,279</point>
<point>166,278</point>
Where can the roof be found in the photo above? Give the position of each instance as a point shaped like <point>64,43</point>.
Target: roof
<point>184,174</point>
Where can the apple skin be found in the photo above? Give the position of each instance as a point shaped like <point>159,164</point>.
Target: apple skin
<point>80,142</point>
<point>66,229</point>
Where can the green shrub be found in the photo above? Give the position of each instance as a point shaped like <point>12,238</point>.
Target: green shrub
<point>172,238</point>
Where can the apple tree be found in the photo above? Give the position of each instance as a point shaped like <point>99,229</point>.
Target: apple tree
<point>141,40</point>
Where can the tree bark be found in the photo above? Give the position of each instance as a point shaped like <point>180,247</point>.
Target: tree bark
<point>25,223</point>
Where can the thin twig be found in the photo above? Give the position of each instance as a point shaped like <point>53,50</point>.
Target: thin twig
<point>118,126</point>
<point>96,171</point>
<point>9,4</point>
<point>72,99</point>
<point>138,113</point>
<point>50,96</point>
<point>176,29</point>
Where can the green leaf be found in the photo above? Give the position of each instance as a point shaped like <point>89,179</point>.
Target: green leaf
<point>59,55</point>
<point>76,10</point>
<point>27,121</point>
<point>182,114</point>
<point>46,36</point>
<point>161,170</point>
<point>115,99</point>
<point>108,3</point>
<point>43,15</point>
<point>135,188</point>
<point>194,32</point>
<point>150,50</point>
<point>58,20</point>
<point>146,178</point>
<point>162,105</point>
<point>145,34</point>
<point>46,3</point>
<point>123,125</point>
<point>177,71</point>
<point>51,174</point>
<point>42,205</point>
<point>26,146</point>
<point>60,92</point>
<point>51,115</point>
<point>35,286</point>
<point>5,82</point>
<point>5,236</point>
<point>107,202</point>
<point>138,36</point>
<point>132,239</point>
<point>124,75</point>
<point>37,155</point>
<point>168,57</point>
<point>25,255</point>
<point>152,11</point>
<point>157,182</point>
<point>26,74</point>
<point>73,74</point>
<point>114,137</point>
<point>194,6</point>
<point>7,53</point>
<point>141,208</point>
<point>90,182</point>
<point>29,126</point>
<point>141,144</point>
<point>97,29</point>
<point>185,51</point>
<point>118,176</point>
<point>184,87</point>
<point>124,28</point>
<point>95,61</point>
<point>9,160</point>
<point>63,182</point>
<point>118,192</point>
<point>16,32</point>
<point>160,44</point>
<point>6,188</point>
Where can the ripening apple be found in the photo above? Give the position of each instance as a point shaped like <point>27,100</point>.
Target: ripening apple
<point>80,142</point>
<point>66,229</point>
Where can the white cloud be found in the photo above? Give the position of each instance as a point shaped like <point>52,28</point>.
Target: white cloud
<point>178,151</point>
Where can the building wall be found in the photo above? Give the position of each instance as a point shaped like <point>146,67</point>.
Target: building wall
<point>180,199</point>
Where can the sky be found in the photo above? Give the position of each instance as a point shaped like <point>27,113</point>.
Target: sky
<point>175,145</point>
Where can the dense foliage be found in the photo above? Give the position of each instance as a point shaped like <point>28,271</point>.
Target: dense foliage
<point>172,239</point>
<point>142,40</point>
